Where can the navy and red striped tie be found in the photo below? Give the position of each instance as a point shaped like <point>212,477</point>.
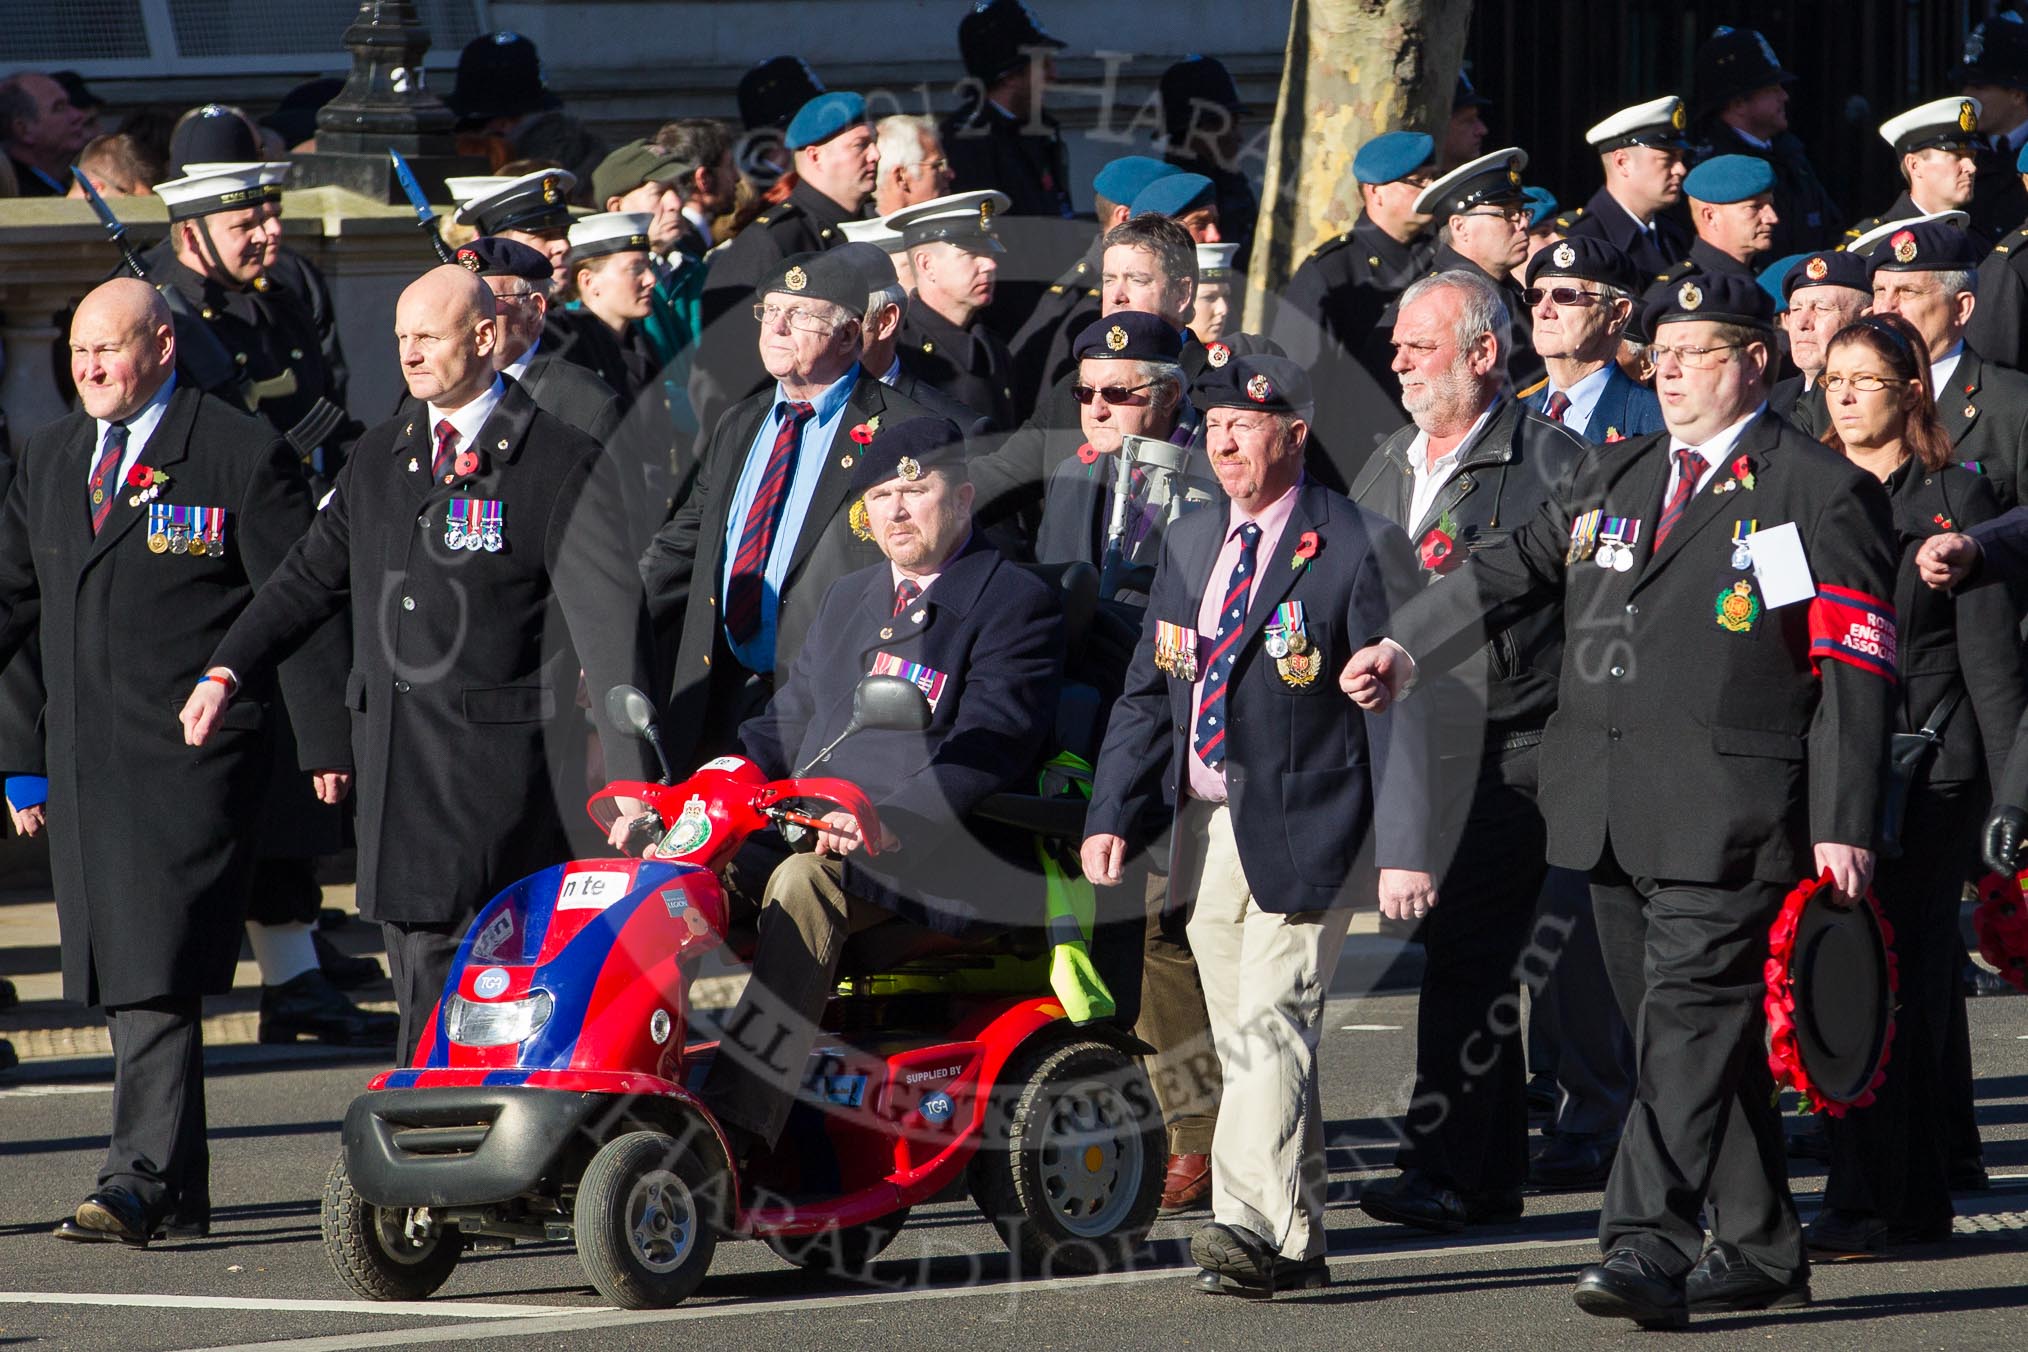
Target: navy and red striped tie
<point>104,490</point>
<point>1689,469</point>
<point>905,593</point>
<point>1209,734</point>
<point>757,536</point>
<point>447,442</point>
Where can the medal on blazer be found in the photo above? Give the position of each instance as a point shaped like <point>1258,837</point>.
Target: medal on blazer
<point>926,679</point>
<point>1176,651</point>
<point>1288,643</point>
<point>1737,607</point>
<point>1617,538</point>
<point>1742,552</point>
<point>1583,536</point>
<point>474,523</point>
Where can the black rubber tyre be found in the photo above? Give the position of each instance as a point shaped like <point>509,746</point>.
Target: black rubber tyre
<point>647,1219</point>
<point>1070,1170</point>
<point>841,1253</point>
<point>370,1252</point>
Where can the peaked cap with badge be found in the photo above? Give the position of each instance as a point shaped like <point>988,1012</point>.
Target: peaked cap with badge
<point>533,203</point>
<point>963,218</point>
<point>1490,179</point>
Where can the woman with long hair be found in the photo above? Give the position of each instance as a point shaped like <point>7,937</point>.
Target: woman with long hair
<point>1962,672</point>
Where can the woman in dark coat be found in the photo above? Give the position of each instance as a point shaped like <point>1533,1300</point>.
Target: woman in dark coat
<point>1960,654</point>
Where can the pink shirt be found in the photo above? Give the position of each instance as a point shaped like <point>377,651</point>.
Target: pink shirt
<point>1205,782</point>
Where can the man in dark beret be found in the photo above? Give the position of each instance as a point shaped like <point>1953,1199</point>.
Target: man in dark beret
<point>519,278</point>
<point>1825,291</point>
<point>983,640</point>
<point>1583,291</point>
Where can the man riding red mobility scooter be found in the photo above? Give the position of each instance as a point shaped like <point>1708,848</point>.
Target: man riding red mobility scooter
<point>552,1094</point>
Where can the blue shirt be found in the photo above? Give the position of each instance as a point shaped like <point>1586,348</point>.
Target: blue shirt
<point>818,433</point>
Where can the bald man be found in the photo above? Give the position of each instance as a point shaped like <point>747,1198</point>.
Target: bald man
<point>136,531</point>
<point>460,530</point>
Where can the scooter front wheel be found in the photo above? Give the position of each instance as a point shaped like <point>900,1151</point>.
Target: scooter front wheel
<point>647,1219</point>
<point>372,1247</point>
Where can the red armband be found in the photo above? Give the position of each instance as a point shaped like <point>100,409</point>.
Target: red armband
<point>1850,626</point>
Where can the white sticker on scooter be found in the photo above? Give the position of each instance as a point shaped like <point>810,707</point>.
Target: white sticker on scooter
<point>587,887</point>
<point>727,763</point>
<point>691,832</point>
<point>489,983</point>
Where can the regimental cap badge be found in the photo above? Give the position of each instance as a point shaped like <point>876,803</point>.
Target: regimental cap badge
<point>1904,246</point>
<point>796,279</point>
<point>1564,256</point>
<point>1968,118</point>
<point>1514,177</point>
<point>1260,389</point>
<point>1816,269</point>
<point>1689,297</point>
<point>908,469</point>
<point>986,214</point>
<point>469,260</point>
<point>1217,354</point>
<point>1677,118</point>
<point>1116,338</point>
<point>550,193</point>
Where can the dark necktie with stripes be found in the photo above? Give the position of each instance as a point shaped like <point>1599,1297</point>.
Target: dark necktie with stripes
<point>104,474</point>
<point>905,593</point>
<point>447,444</point>
<point>757,536</point>
<point>1209,734</point>
<point>1689,469</point>
<point>1559,404</point>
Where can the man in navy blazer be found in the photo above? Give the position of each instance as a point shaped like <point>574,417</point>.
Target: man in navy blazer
<point>1283,803</point>
<point>983,639</point>
<point>1581,291</point>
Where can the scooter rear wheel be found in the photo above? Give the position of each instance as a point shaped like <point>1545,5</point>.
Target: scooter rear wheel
<point>370,1249</point>
<point>647,1219</point>
<point>842,1253</point>
<point>1070,1171</point>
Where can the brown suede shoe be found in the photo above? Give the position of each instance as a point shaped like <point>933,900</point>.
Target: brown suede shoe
<point>1187,1183</point>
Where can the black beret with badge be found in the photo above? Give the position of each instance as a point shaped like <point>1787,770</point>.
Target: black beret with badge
<point>1129,335</point>
<point>1833,267</point>
<point>1494,179</point>
<point>1261,381</point>
<point>1721,298</point>
<point>819,276</point>
<point>491,256</point>
<point>1927,246</point>
<point>907,451</point>
<point>1587,258</point>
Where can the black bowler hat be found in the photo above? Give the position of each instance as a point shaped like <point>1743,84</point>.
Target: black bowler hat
<point>490,256</point>
<point>1128,335</point>
<point>1996,53</point>
<point>819,276</point>
<point>1833,267</point>
<point>1587,258</point>
<point>1733,61</point>
<point>500,75</point>
<point>771,93</point>
<point>1724,298</point>
<point>907,451</point>
<point>1926,246</point>
<point>1255,380</point>
<point>997,35</point>
<point>1191,81</point>
<point>1839,975</point>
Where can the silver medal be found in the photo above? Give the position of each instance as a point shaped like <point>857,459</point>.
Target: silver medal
<point>1742,557</point>
<point>1277,644</point>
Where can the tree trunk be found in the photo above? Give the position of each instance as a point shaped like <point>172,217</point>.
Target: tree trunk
<point>1354,69</point>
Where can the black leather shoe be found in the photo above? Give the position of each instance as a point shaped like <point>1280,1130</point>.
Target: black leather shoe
<point>1979,981</point>
<point>1723,1281</point>
<point>1627,1285</point>
<point>1417,1200</point>
<point>341,969</point>
<point>1846,1234</point>
<point>1542,1095</point>
<point>1240,1263</point>
<point>8,1058</point>
<point>110,1215</point>
<point>310,1006</point>
<point>9,997</point>
<point>1573,1162</point>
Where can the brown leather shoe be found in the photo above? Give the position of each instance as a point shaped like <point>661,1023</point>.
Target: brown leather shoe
<point>1187,1183</point>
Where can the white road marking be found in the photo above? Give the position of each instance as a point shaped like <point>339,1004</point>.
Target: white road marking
<point>1370,1028</point>
<point>589,1320</point>
<point>448,1309</point>
<point>54,1090</point>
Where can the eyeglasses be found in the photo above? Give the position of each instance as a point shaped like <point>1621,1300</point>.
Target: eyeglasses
<point>1511,215</point>
<point>1112,394</point>
<point>1866,382</point>
<point>796,318</point>
<point>1691,358</point>
<point>1564,295</point>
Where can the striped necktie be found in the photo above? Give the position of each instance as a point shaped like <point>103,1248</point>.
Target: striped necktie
<point>1689,469</point>
<point>1209,735</point>
<point>757,536</point>
<point>103,488</point>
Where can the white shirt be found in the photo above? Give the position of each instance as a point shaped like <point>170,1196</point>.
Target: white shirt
<point>1941,369</point>
<point>1583,398</point>
<point>1717,453</point>
<point>1646,227</point>
<point>140,427</point>
<point>469,419</point>
<point>517,370</point>
<point>1430,478</point>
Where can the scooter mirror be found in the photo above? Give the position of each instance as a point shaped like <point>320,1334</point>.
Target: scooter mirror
<point>630,709</point>
<point>891,704</point>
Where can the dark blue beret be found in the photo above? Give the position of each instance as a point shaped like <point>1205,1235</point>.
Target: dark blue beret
<point>1174,194</point>
<point>908,450</point>
<point>1729,178</point>
<point>491,256</point>
<point>1833,267</point>
<point>1122,179</point>
<point>1724,298</point>
<point>1588,258</point>
<point>1254,380</point>
<point>1129,335</point>
<point>1771,277</point>
<point>1926,246</point>
<point>824,117</point>
<point>1392,156</point>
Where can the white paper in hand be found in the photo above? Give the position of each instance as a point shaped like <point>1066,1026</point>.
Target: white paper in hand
<point>1780,567</point>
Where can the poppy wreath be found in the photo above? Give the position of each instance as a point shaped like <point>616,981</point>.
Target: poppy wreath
<point>2001,924</point>
<point>1784,1058</point>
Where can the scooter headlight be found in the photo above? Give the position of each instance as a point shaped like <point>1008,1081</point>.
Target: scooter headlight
<point>497,1023</point>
